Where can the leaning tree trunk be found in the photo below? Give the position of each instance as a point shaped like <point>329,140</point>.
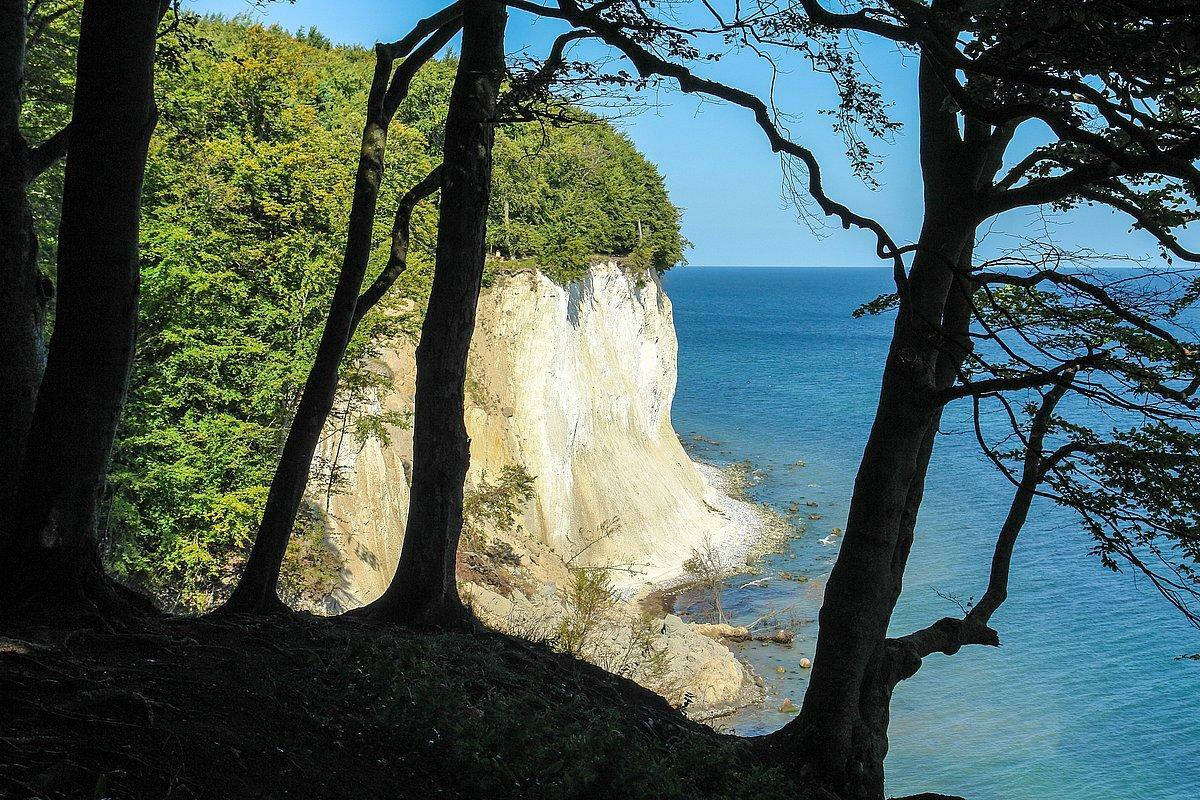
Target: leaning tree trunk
<point>256,589</point>
<point>24,292</point>
<point>836,736</point>
<point>423,592</point>
<point>840,737</point>
<point>51,552</point>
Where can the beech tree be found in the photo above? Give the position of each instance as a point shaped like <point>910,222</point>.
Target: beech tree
<point>1125,134</point>
<point>1114,83</point>
<point>25,289</point>
<point>256,590</point>
<point>424,592</point>
<point>50,556</point>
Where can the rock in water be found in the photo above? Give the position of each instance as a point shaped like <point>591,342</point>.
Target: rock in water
<point>734,633</point>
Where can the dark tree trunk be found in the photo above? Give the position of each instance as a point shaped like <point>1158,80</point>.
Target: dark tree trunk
<point>24,291</point>
<point>840,736</point>
<point>423,592</point>
<point>52,554</point>
<point>256,589</point>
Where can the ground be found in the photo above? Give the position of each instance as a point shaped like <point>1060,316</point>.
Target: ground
<point>331,708</point>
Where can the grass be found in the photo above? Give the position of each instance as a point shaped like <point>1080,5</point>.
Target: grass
<point>319,708</point>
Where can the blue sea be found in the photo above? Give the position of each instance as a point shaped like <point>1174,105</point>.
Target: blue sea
<point>1085,700</point>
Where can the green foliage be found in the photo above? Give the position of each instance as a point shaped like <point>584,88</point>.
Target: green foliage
<point>596,625</point>
<point>49,88</point>
<point>590,600</point>
<point>495,505</point>
<point>247,193</point>
<point>310,568</point>
<point>246,198</point>
<point>1132,472</point>
<point>563,194</point>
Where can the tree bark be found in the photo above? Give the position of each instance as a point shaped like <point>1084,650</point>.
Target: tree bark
<point>256,590</point>
<point>24,291</point>
<point>423,592</point>
<point>840,737</point>
<point>52,555</point>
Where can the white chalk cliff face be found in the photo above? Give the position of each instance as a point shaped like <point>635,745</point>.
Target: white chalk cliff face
<point>574,384</point>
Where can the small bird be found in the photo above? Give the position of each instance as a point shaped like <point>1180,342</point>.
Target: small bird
<point>830,539</point>
<point>759,582</point>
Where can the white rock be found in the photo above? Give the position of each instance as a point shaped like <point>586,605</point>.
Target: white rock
<point>575,384</point>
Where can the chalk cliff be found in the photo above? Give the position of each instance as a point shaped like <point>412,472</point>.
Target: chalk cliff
<point>574,384</point>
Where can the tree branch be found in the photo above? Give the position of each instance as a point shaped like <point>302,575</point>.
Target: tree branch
<point>1093,291</point>
<point>426,27</point>
<point>405,73</point>
<point>1167,239</point>
<point>401,233</point>
<point>1058,376</point>
<point>48,153</point>
<point>1033,471</point>
<point>649,64</point>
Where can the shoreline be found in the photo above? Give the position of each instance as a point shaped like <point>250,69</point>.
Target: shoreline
<point>746,531</point>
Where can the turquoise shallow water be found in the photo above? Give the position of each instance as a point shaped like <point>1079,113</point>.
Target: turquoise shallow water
<point>1085,698</point>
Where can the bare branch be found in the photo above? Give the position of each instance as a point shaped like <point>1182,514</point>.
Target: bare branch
<point>398,257</point>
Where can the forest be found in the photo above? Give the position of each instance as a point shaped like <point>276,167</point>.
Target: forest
<point>216,230</point>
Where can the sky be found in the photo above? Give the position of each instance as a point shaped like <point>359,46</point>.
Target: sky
<point>715,160</point>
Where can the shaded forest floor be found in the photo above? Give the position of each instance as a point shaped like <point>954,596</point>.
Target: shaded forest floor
<point>315,708</point>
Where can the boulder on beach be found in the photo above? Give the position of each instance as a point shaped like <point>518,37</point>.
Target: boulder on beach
<point>721,630</point>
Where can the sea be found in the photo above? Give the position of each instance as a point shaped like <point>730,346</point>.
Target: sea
<point>1086,699</point>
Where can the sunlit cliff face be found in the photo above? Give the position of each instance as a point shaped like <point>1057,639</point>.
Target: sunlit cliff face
<point>574,384</point>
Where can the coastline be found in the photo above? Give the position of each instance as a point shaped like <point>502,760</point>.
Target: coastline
<point>744,536</point>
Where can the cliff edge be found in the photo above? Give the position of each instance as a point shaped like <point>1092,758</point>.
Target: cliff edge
<point>571,387</point>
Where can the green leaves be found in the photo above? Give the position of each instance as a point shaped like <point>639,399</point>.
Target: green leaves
<point>562,195</point>
<point>246,198</point>
<point>246,202</point>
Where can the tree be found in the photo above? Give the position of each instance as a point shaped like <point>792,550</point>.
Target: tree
<point>1114,84</point>
<point>256,590</point>
<point>423,591</point>
<point>1089,337</point>
<point>26,290</point>
<point>49,537</point>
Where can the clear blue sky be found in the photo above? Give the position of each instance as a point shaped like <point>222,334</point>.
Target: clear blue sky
<point>717,165</point>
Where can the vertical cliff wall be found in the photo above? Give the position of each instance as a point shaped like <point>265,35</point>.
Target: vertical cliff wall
<point>574,384</point>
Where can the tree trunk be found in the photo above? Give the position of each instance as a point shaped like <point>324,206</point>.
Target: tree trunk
<point>840,737</point>
<point>256,589</point>
<point>24,291</point>
<point>50,537</point>
<point>423,592</point>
